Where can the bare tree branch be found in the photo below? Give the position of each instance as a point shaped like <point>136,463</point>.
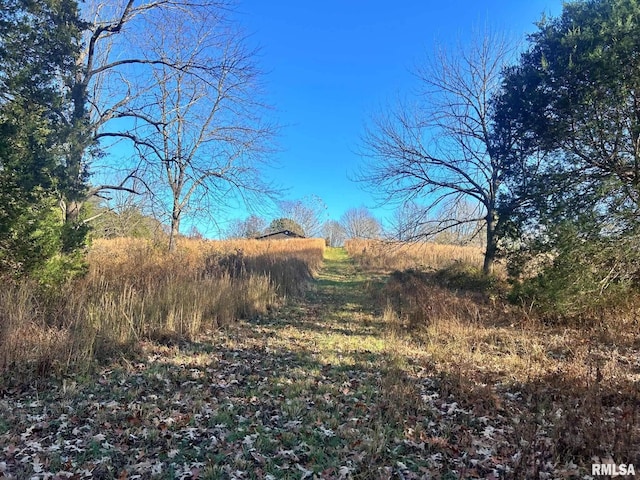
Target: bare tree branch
<point>360,223</point>
<point>114,78</point>
<point>442,145</point>
<point>201,135</point>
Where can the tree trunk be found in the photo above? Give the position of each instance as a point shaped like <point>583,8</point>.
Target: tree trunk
<point>492,247</point>
<point>175,230</point>
<point>78,141</point>
<point>72,212</point>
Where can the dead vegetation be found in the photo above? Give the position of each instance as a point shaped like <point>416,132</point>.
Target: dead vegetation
<point>570,386</point>
<point>389,256</point>
<point>415,374</point>
<point>135,291</point>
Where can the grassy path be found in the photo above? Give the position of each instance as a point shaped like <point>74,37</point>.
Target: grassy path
<point>321,389</point>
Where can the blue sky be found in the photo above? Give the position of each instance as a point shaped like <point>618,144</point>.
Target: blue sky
<point>329,65</point>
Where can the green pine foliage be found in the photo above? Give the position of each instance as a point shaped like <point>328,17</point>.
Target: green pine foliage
<point>39,44</point>
<point>572,229</point>
<point>280,224</point>
<point>581,273</point>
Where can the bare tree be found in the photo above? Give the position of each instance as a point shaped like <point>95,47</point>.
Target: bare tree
<point>199,132</point>
<point>407,223</point>
<point>360,223</point>
<point>251,227</point>
<point>308,212</point>
<point>459,214</point>
<point>334,234</point>
<point>115,72</point>
<point>100,92</point>
<point>441,149</point>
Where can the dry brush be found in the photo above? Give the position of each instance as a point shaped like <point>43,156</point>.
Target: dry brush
<point>135,291</point>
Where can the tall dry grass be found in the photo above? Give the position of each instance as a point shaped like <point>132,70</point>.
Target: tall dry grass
<point>388,256</point>
<point>136,291</point>
<point>568,392</point>
<point>574,390</point>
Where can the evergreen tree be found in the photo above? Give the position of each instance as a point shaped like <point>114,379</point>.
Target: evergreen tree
<point>281,224</point>
<point>572,100</point>
<point>39,44</point>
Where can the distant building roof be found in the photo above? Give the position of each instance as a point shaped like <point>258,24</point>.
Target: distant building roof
<point>282,234</point>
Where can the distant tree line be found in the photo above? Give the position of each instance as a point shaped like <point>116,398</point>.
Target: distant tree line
<point>306,218</point>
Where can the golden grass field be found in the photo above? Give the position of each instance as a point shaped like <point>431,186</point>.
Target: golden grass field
<point>136,290</point>
<point>383,255</point>
<point>580,379</point>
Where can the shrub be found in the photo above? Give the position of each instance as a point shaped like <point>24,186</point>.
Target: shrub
<point>581,279</point>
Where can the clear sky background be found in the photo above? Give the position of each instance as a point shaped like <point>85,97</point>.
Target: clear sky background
<point>330,64</point>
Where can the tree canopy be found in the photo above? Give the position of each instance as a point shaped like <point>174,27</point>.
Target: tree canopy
<point>575,92</point>
<point>281,224</point>
<point>39,46</point>
<point>573,101</point>
<point>360,223</point>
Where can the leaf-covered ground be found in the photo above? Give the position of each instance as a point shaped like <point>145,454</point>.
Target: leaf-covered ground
<point>320,389</point>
